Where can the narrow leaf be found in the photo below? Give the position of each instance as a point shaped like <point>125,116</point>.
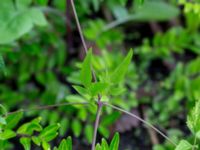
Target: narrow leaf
<point>104,145</point>
<point>13,119</point>
<point>115,142</point>
<point>69,143</point>
<point>63,145</point>
<point>49,133</point>
<point>26,142</point>
<point>46,145</point>
<point>7,134</point>
<point>76,128</point>
<point>81,90</point>
<point>120,71</point>
<point>2,64</point>
<point>86,73</point>
<point>98,88</point>
<point>89,133</point>
<point>184,145</point>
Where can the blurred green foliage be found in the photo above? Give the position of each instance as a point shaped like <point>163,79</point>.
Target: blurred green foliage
<point>40,66</point>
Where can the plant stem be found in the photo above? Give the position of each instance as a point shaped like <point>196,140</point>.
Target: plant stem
<point>152,133</point>
<point>96,125</point>
<point>48,107</point>
<point>81,35</point>
<point>142,120</point>
<point>79,26</point>
<point>99,103</point>
<point>195,140</point>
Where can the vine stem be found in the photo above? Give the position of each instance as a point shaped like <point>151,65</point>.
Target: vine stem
<point>48,107</point>
<point>99,103</point>
<point>79,26</point>
<point>98,114</point>
<point>142,120</point>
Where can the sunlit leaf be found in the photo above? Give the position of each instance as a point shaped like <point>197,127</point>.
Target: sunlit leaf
<point>120,71</point>
<point>86,73</point>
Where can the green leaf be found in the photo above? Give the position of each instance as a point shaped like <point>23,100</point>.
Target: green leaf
<point>97,88</point>
<point>7,134</point>
<point>69,143</point>
<point>26,142</point>
<point>86,73</point>
<point>63,145</point>
<point>30,127</point>
<point>115,91</point>
<point>88,133</point>
<point>104,131</point>
<point>42,2</point>
<point>23,3</point>
<point>66,144</point>
<point>13,119</point>
<point>184,145</point>
<point>3,110</point>
<point>49,133</point>
<point>104,145</point>
<point>120,71</point>
<point>36,140</point>
<point>115,142</point>
<point>110,118</point>
<point>75,98</point>
<point>64,124</point>
<point>2,64</point>
<point>16,21</point>
<point>96,4</point>
<point>139,1</point>
<point>149,11</point>
<point>98,147</point>
<point>2,120</point>
<point>82,114</point>
<point>38,17</point>
<point>60,5</point>
<point>46,145</point>
<point>198,134</point>
<point>76,128</point>
<point>81,90</point>
<point>120,12</point>
<point>193,119</point>
<point>158,147</point>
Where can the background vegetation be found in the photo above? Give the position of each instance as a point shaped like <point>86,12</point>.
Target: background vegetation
<point>42,58</point>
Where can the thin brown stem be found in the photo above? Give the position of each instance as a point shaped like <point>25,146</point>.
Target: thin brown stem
<point>142,120</point>
<point>99,103</point>
<point>96,125</point>
<point>152,133</point>
<point>81,35</point>
<point>48,107</point>
<point>79,27</point>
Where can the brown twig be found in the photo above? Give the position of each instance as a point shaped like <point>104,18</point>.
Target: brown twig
<point>99,103</point>
<point>142,120</point>
<point>48,107</point>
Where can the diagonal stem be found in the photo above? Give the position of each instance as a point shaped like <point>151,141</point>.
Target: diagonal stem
<point>99,103</point>
<point>81,35</point>
<point>79,27</point>
<point>99,108</point>
<point>48,107</point>
<point>142,120</point>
